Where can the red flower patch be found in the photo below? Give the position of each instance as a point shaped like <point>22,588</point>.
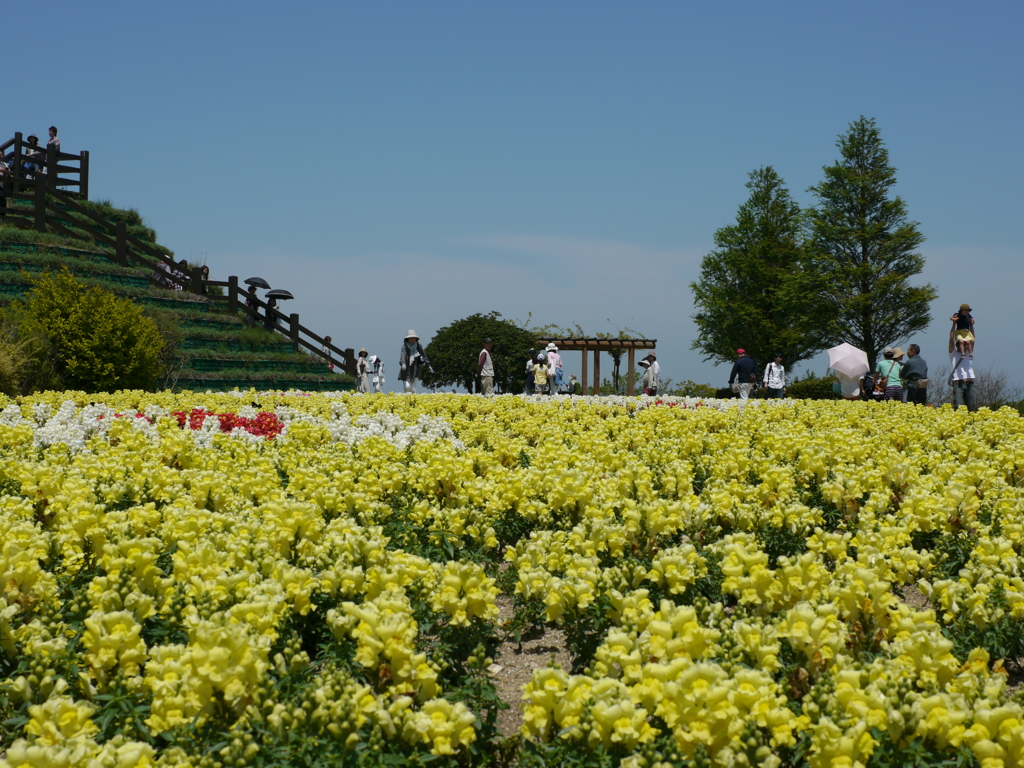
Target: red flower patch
<point>263,425</point>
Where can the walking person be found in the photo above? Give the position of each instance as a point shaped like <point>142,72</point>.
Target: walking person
<point>377,368</point>
<point>411,362</point>
<point>270,317</point>
<point>363,372</point>
<point>962,376</point>
<point>540,374</point>
<point>742,379</point>
<point>915,376</point>
<point>326,349</point>
<point>889,370</point>
<point>554,369</point>
<point>652,375</point>
<point>485,369</point>
<point>530,362</point>
<point>774,378</point>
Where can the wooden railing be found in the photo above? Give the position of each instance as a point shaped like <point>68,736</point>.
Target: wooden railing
<point>38,209</point>
<point>17,152</point>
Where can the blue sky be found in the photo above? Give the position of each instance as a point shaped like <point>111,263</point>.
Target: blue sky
<point>403,165</point>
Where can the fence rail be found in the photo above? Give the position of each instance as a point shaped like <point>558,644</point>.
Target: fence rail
<point>19,154</point>
<point>43,207</point>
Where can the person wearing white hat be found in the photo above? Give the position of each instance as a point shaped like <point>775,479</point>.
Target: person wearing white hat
<point>411,361</point>
<point>554,369</point>
<point>363,372</point>
<point>377,367</point>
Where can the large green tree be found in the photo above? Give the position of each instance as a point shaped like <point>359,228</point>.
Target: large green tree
<point>866,247</point>
<point>455,349</point>
<point>756,288</point>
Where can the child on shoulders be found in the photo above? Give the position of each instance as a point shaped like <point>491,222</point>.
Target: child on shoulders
<point>964,331</point>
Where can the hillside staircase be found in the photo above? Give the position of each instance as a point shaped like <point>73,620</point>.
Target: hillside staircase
<point>223,342</point>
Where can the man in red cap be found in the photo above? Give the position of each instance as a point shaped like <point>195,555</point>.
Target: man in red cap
<point>743,375</point>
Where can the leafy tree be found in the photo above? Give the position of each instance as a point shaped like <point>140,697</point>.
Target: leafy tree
<point>455,349</point>
<point>865,247</point>
<point>755,288</point>
<point>84,338</point>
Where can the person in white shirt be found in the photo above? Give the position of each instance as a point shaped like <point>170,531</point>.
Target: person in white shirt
<point>775,377</point>
<point>485,369</point>
<point>962,377</point>
<point>652,376</point>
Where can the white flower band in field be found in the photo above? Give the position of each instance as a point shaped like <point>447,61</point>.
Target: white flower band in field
<point>74,427</point>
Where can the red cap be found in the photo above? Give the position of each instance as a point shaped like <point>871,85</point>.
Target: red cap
<point>741,351</point>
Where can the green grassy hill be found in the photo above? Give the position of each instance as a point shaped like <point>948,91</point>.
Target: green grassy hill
<point>210,348</point>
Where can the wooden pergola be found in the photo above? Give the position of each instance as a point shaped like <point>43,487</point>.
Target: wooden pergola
<point>597,346</point>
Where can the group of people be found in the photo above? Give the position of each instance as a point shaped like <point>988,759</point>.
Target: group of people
<point>161,276</point>
<point>412,362</point>
<point>900,376</point>
<point>32,162</point>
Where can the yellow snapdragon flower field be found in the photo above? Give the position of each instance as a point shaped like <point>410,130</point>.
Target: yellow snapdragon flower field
<point>260,579</point>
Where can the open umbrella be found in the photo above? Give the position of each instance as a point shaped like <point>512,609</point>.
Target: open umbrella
<point>278,293</point>
<point>848,360</point>
<point>259,282</point>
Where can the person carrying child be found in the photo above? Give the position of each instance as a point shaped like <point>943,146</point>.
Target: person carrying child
<point>964,331</point>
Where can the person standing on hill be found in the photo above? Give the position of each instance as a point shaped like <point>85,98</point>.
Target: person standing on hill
<point>485,369</point>
<point>742,379</point>
<point>377,367</point>
<point>54,141</point>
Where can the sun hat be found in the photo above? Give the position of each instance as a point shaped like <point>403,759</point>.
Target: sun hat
<point>965,307</point>
<point>541,357</point>
<point>897,352</point>
<point>31,136</point>
<point>412,335</point>
<point>363,351</point>
<point>551,347</point>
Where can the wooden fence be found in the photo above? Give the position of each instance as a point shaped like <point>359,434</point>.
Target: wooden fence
<point>34,204</point>
<point>19,152</point>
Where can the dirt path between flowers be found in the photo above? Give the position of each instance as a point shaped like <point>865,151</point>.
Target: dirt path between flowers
<point>913,597</point>
<point>513,666</point>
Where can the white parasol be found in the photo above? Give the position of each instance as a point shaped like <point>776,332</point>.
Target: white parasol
<point>848,360</point>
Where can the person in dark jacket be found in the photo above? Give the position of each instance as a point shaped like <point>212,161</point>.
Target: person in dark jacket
<point>915,376</point>
<point>743,378</point>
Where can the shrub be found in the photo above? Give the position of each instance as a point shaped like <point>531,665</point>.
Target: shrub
<point>812,388</point>
<point>85,338</point>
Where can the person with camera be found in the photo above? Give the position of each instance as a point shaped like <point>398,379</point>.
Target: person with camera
<point>774,378</point>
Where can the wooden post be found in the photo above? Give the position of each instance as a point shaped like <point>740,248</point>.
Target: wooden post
<point>83,176</point>
<point>629,380</point>
<point>121,249</point>
<point>233,294</point>
<point>40,183</point>
<point>597,371</point>
<point>350,361</point>
<point>294,331</point>
<point>584,382</point>
<point>197,281</point>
